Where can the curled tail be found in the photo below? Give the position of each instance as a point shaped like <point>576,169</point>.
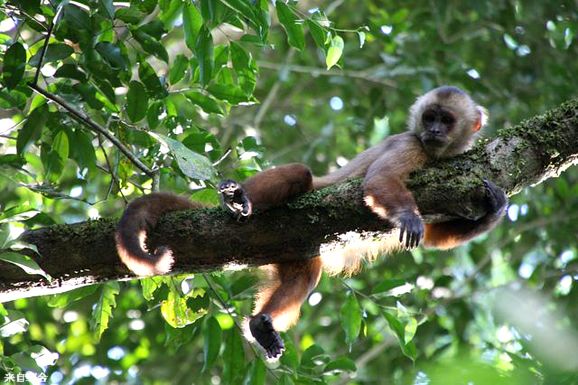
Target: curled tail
<point>140,215</point>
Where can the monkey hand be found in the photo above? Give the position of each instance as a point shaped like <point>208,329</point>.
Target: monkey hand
<point>496,199</point>
<point>411,226</point>
<point>261,327</point>
<point>234,199</point>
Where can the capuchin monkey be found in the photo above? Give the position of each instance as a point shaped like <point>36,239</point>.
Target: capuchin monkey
<point>441,124</point>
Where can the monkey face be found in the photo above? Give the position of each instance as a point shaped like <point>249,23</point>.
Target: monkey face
<point>438,123</point>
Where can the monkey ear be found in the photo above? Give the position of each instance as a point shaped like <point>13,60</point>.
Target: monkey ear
<point>482,119</point>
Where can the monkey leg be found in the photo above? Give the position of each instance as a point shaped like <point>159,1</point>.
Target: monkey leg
<point>265,189</point>
<point>278,302</point>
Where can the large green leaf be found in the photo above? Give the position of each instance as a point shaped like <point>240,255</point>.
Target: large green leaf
<point>192,23</point>
<point>24,262</point>
<point>292,24</point>
<point>103,310</point>
<point>193,165</point>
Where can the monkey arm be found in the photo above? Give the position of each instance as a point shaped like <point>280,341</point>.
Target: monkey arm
<point>384,186</point>
<point>446,235</point>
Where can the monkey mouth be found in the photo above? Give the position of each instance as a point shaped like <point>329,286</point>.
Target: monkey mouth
<point>434,140</point>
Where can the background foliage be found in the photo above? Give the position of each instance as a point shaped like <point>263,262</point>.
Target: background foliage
<point>187,85</point>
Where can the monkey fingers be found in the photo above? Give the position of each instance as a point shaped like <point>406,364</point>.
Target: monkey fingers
<point>496,198</point>
<point>234,199</point>
<point>261,327</point>
<point>411,226</point>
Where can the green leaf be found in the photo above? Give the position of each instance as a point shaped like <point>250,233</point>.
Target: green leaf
<point>14,65</point>
<point>351,318</point>
<point>193,165</point>
<point>410,330</point>
<point>64,299</point>
<point>150,285</point>
<point>208,104</point>
<point>103,310</point>
<point>313,356</point>
<point>25,263</point>
<point>341,365</point>
<point>32,128</point>
<point>334,52</point>
<point>408,349</point>
<point>175,311</point>
<point>230,93</point>
<point>233,358</point>
<point>54,52</point>
<point>150,44</point>
<point>60,144</point>
<point>155,110</point>
<point>177,71</point>
<point>212,335</point>
<point>318,33</point>
<point>361,36</point>
<point>112,54</point>
<point>293,26</point>
<point>149,78</point>
<point>130,15</point>
<point>106,8</point>
<point>82,150</point>
<point>70,71</point>
<point>387,285</point>
<point>136,101</point>
<point>192,23</point>
<point>257,373</point>
<point>254,15</point>
<point>204,53</point>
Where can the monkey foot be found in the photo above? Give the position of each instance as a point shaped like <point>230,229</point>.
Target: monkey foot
<point>496,199</point>
<point>234,199</point>
<point>261,327</point>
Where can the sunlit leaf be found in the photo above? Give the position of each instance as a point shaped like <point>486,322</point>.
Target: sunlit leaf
<point>24,262</point>
<point>192,23</point>
<point>103,310</point>
<point>193,165</point>
<point>334,52</point>
<point>292,24</point>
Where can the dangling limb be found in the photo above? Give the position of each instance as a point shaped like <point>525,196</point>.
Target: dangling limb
<point>279,300</point>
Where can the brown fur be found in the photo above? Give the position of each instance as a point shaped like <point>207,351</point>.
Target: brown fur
<point>385,168</point>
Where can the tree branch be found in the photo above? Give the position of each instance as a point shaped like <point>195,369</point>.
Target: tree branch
<point>94,127</point>
<point>209,239</point>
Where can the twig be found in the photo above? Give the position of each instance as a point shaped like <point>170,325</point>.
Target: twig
<point>45,46</point>
<point>93,126</point>
<point>317,71</point>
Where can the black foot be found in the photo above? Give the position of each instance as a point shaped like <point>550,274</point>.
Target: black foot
<point>261,327</point>
<point>411,226</point>
<point>496,199</point>
<point>235,200</point>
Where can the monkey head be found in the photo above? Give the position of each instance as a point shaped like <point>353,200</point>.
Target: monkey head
<point>445,120</point>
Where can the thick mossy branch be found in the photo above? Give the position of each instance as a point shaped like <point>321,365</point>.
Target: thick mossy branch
<point>208,239</point>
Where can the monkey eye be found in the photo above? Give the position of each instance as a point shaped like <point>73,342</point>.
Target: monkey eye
<point>447,119</point>
<point>428,117</point>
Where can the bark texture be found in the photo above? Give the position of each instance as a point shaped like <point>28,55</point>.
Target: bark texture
<point>207,239</point>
